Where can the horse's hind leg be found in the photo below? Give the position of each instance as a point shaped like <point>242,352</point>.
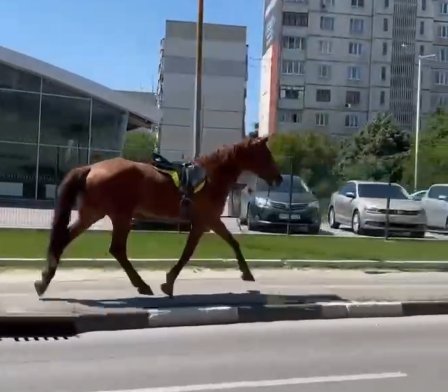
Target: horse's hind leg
<point>60,243</point>
<point>120,233</point>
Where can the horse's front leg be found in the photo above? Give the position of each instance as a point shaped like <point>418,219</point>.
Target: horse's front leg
<point>220,228</point>
<point>196,232</point>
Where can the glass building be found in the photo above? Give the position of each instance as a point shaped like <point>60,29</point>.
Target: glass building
<point>52,120</point>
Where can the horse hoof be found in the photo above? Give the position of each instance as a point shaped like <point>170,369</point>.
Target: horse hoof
<point>247,277</point>
<point>167,289</point>
<point>39,287</point>
<point>145,290</point>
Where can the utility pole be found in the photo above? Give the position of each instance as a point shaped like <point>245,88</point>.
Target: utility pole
<point>197,124</point>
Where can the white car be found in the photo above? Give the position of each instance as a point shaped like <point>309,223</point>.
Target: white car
<point>435,203</point>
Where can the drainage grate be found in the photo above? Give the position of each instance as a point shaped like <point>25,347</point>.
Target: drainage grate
<point>36,338</point>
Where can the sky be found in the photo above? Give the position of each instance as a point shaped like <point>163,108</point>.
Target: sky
<point>117,42</point>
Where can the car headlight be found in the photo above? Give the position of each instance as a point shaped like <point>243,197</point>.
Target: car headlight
<point>314,204</point>
<point>262,202</point>
<point>372,210</point>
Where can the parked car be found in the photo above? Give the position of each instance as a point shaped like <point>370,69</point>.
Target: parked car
<point>265,206</point>
<point>362,205</point>
<point>435,203</point>
<point>418,195</point>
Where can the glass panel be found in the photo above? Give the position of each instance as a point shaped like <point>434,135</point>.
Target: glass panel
<point>54,164</point>
<point>55,88</point>
<point>65,121</point>
<point>15,79</point>
<point>108,127</point>
<point>19,116</point>
<point>17,170</point>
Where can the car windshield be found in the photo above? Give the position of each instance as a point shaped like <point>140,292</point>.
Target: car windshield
<point>439,192</point>
<point>298,186</point>
<point>382,191</point>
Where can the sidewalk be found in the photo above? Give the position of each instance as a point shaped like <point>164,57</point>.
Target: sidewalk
<point>85,290</point>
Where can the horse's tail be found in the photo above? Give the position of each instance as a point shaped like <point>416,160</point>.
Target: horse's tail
<point>73,184</point>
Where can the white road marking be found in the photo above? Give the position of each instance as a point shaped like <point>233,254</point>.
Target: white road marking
<point>269,383</point>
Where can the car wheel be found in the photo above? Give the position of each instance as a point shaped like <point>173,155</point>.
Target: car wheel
<point>418,234</point>
<point>356,224</point>
<point>314,229</point>
<point>250,225</point>
<point>332,219</point>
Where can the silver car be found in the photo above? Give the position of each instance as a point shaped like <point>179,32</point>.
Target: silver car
<point>362,205</point>
<point>435,203</point>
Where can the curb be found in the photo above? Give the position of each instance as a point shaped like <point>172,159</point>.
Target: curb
<point>35,326</point>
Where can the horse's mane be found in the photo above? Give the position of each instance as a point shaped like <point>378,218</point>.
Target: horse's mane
<point>224,154</point>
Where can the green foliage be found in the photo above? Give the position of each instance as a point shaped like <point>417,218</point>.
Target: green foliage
<point>432,154</point>
<point>376,153</point>
<point>310,155</point>
<point>139,146</point>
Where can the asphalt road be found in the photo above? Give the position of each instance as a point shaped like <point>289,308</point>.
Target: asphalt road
<point>84,290</point>
<point>400,355</point>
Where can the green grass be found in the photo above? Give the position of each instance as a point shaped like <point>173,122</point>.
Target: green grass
<point>32,244</point>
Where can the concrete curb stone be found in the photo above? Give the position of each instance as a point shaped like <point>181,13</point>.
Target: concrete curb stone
<point>34,326</point>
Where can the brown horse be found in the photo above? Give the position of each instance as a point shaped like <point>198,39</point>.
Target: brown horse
<point>121,189</point>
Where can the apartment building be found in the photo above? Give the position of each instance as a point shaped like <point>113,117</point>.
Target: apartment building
<point>331,65</point>
<point>224,79</point>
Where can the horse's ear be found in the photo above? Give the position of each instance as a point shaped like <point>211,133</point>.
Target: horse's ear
<point>264,139</point>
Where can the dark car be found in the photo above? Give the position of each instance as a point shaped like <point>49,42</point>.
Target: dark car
<point>270,206</point>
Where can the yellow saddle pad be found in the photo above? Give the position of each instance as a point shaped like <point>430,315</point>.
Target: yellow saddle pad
<point>176,180</point>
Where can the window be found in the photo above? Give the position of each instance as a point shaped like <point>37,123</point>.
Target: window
<point>422,27</point>
<point>422,50</point>
<point>353,97</point>
<point>385,24</point>
<point>293,67</point>
<point>351,121</point>
<point>294,42</point>
<point>324,71</point>
<point>441,78</point>
<point>327,2</point>
<point>297,1</point>
<point>443,99</point>
<point>322,119</point>
<point>356,25</point>
<point>386,3</point>
<point>326,47</point>
<point>383,73</point>
<point>355,48</point>
<point>323,95</point>
<point>443,55</point>
<point>354,73</point>
<point>444,8</point>
<point>423,5</point>
<point>326,23</point>
<point>299,19</point>
<point>384,48</point>
<point>357,3</point>
<point>443,31</point>
<point>290,116</point>
<point>382,97</point>
<point>292,92</point>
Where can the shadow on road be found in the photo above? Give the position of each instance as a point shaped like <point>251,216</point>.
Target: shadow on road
<point>250,298</point>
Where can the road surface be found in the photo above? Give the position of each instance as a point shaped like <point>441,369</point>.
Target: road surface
<point>91,289</point>
<point>399,355</point>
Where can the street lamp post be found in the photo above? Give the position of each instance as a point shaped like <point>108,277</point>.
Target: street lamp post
<point>197,124</point>
<point>417,115</point>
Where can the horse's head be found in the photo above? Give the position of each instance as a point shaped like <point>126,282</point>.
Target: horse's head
<point>254,155</point>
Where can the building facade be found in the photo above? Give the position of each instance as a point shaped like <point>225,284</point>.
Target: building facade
<point>332,65</point>
<point>52,120</point>
<point>224,78</point>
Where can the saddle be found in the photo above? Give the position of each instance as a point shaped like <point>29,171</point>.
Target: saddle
<point>188,177</point>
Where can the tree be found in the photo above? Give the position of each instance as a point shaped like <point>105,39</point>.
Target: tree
<point>310,155</point>
<point>376,153</point>
<point>433,152</point>
<point>139,145</point>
